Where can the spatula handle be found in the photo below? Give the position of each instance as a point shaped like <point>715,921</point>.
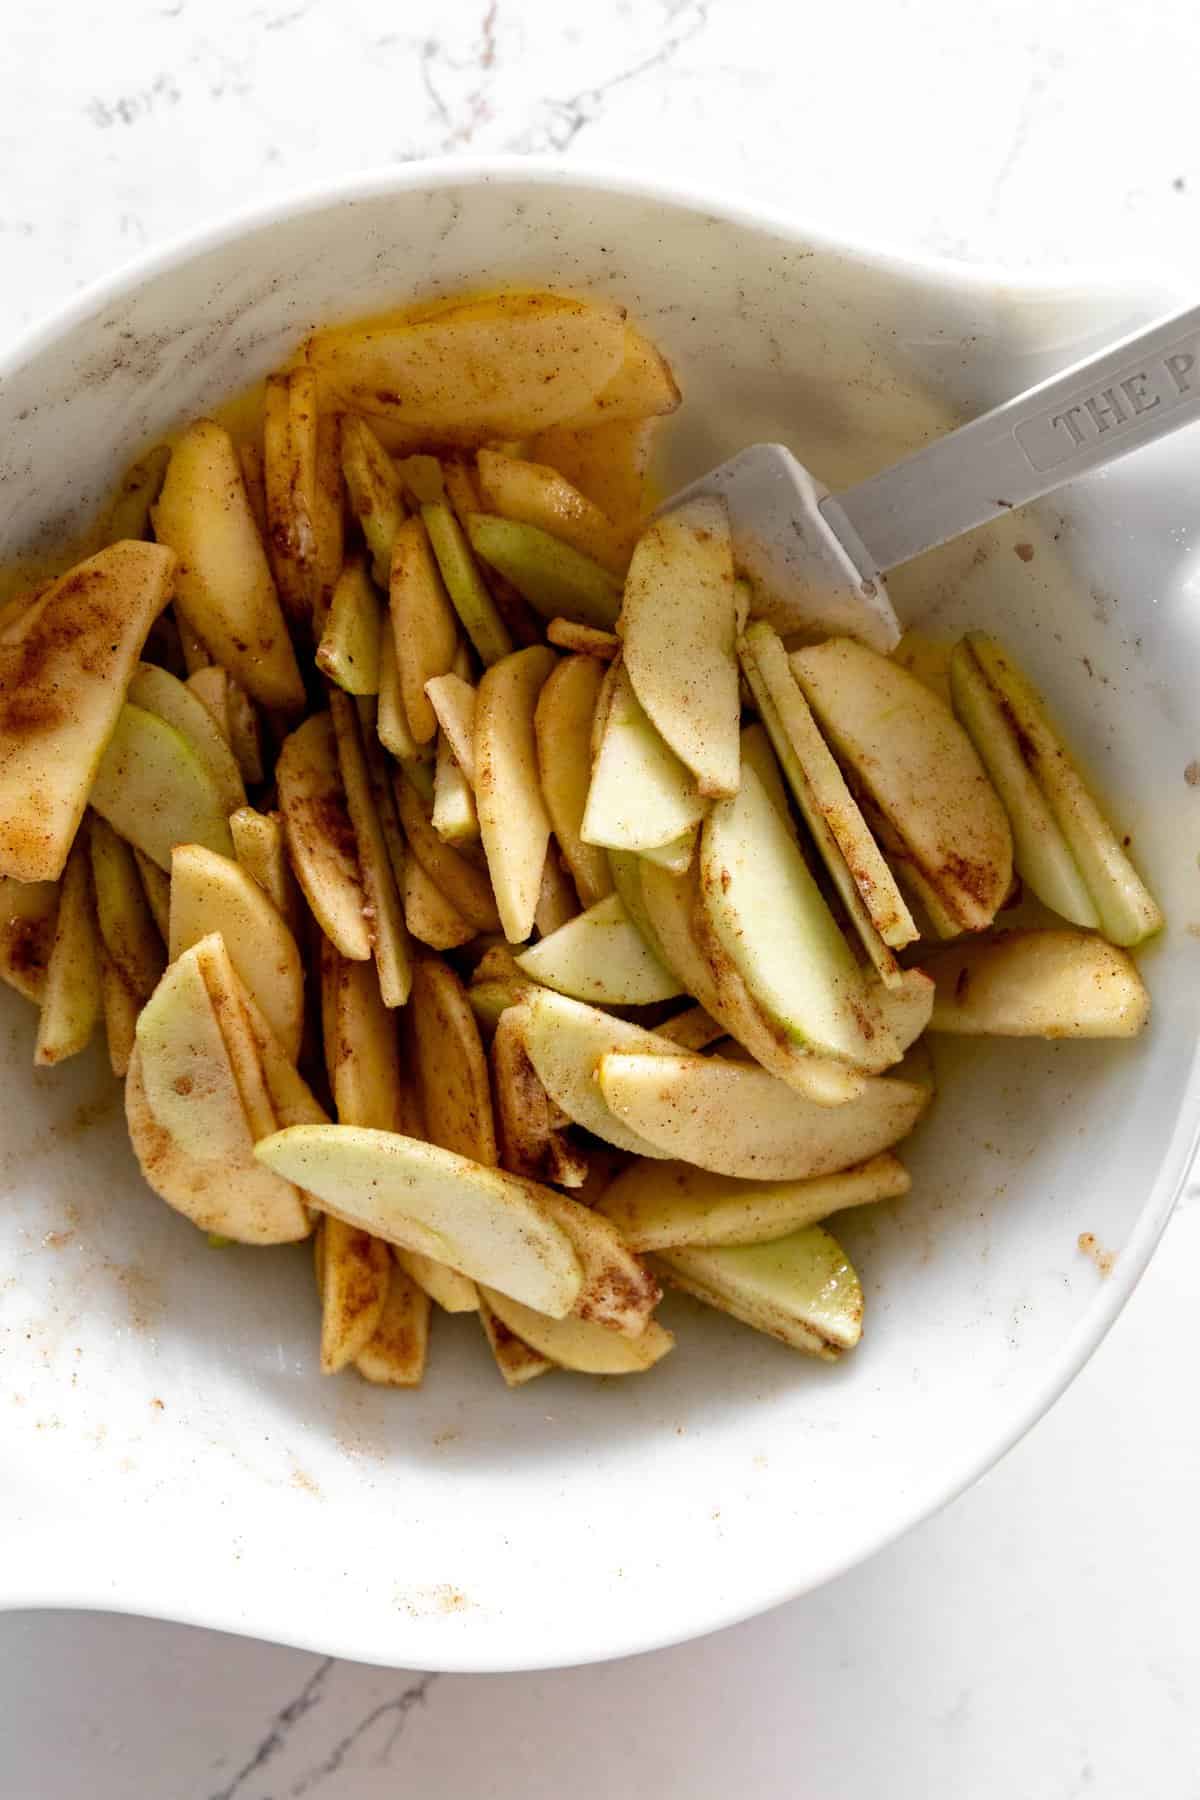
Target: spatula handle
<point>1142,388</point>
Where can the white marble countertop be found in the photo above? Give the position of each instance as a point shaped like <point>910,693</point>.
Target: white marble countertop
<point>1040,1638</point>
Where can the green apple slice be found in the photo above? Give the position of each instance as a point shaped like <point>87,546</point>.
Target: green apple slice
<point>71,997</point>
<point>662,1206</point>
<point>354,1270</point>
<point>1128,912</point>
<point>678,630</point>
<point>1051,984</point>
<point>215,894</point>
<point>513,820</point>
<point>223,584</point>
<point>258,844</point>
<point>385,914</point>
<point>626,872</point>
<point>735,1119</point>
<point>65,662</point>
<point>320,836</point>
<point>349,648</point>
<point>565,1041</point>
<point>475,607</point>
<point>1040,851</point>
<point>580,1345</point>
<point>906,1006</point>
<point>155,792</point>
<point>157,691</point>
<point>566,710</point>
<point>768,914</point>
<point>800,1289</point>
<point>517,1361</point>
<point>492,1226</point>
<point>758,755</point>
<point>556,579</point>
<point>641,795</point>
<point>912,758</point>
<point>676,855</point>
<point>865,884</point>
<point>602,957</point>
<point>126,923</point>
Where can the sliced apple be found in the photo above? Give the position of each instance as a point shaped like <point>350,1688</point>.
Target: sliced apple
<point>320,837</point>
<point>533,494</point>
<point>800,1289</point>
<point>1050,984</point>
<point>429,915</point>
<point>607,463</point>
<point>123,913</point>
<point>422,479</point>
<point>556,579</point>
<point>517,1361</point>
<point>452,1071</point>
<point>494,368</point>
<point>579,1344</point>
<point>188,1122</point>
<point>156,691</point>
<point>617,1291</point>
<point>693,1029</point>
<point>769,916</point>
<point>230,1002</point>
<point>250,461</point>
<point>676,855</point>
<point>513,819</point>
<point>557,901</point>
<point>154,790</point>
<point>583,640</point>
<point>156,885</point>
<point>480,617</point>
<point>28,910</point>
<point>455,816</point>
<point>758,755</point>
<point>349,648</point>
<point>382,904</point>
<point>1128,911</point>
<point>65,662</point>
<point>736,1119</point>
<point>292,1100</point>
<point>601,957</point>
<point>223,1195</point>
<point>424,624</point>
<point>453,1292</point>
<point>563,722</point>
<point>908,752</point>
<point>374,489</point>
<point>329,515</point>
<point>234,716</point>
<point>906,1006</point>
<point>865,884</point>
<point>140,487</point>
<point>530,1142</point>
<point>223,583</point>
<point>215,894</point>
<point>120,1007</point>
<point>290,486</point>
<point>642,388</point>
<point>453,702</point>
<point>678,630</point>
<point>662,1206</point>
<point>354,1270</point>
<point>392,720</point>
<point>490,1225</point>
<point>641,795</point>
<point>565,1041</point>
<point>396,1352</point>
<point>1040,851</point>
<point>71,999</point>
<point>464,885</point>
<point>362,1052</point>
<point>260,848</point>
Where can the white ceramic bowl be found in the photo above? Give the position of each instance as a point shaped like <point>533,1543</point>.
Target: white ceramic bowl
<point>169,1447</point>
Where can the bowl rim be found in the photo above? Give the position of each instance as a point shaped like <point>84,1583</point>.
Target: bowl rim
<point>27,1589</point>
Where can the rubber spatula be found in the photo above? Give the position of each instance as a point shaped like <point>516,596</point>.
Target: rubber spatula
<point>818,559</point>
